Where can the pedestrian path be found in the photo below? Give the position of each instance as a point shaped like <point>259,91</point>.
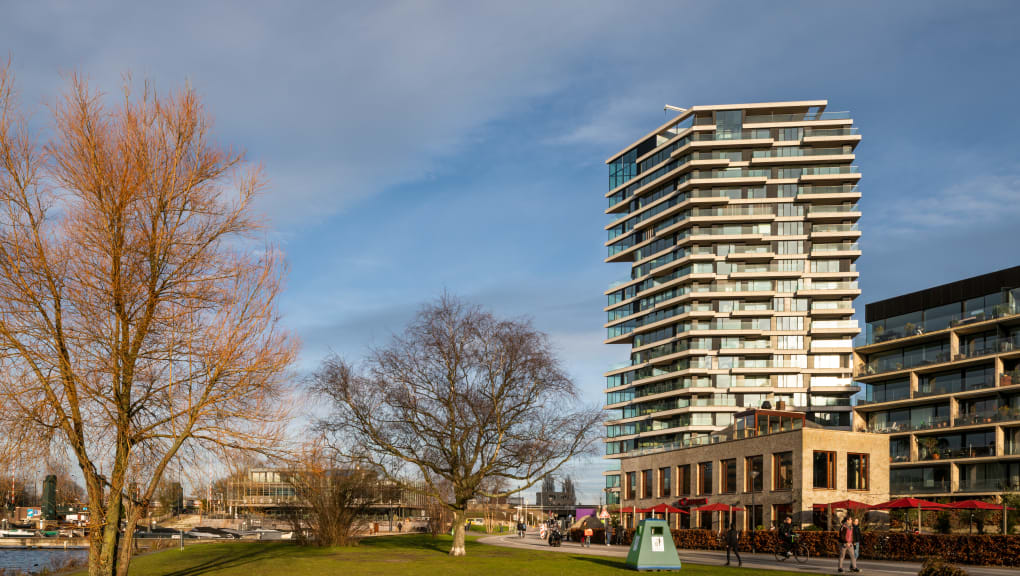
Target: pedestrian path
<point>753,562</point>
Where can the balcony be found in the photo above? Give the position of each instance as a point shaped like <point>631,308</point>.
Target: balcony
<point>929,487</point>
<point>884,333</point>
<point>760,134</point>
<point>930,453</point>
<point>838,189</point>
<point>900,427</point>
<point>798,117</point>
<point>1010,377</point>
<point>829,228</point>
<point>832,208</point>
<point>988,485</point>
<point>953,387</point>
<point>873,368</point>
<point>829,132</point>
<point>1005,345</point>
<point>1003,414</point>
<point>829,170</point>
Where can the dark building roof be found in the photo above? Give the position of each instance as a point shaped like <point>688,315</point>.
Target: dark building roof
<point>944,294</point>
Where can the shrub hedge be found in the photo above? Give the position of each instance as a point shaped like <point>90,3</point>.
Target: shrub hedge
<point>978,549</point>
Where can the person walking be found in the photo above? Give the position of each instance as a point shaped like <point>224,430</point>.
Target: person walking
<point>732,539</point>
<point>588,533</point>
<point>846,546</point>
<point>609,533</point>
<point>858,537</point>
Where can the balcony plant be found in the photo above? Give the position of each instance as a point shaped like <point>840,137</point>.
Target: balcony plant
<point>931,446</point>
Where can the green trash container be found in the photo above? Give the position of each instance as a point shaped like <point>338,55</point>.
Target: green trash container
<point>653,548</point>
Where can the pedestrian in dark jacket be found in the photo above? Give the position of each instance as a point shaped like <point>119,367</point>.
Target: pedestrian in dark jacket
<point>732,539</point>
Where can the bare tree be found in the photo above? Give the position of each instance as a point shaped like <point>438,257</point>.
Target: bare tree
<point>336,496</point>
<point>464,397</point>
<point>138,318</point>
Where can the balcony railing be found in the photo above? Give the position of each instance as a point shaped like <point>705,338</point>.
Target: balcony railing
<point>835,228</point>
<point>896,427</point>
<point>873,368</point>
<point>988,484</point>
<point>759,134</point>
<point>919,487</point>
<point>829,208</point>
<point>831,286</point>
<point>1010,377</point>
<point>838,189</point>
<point>829,170</point>
<point>953,387</point>
<point>1003,414</point>
<point>851,247</point>
<point>799,117</point>
<point>927,454</point>
<point>831,132</point>
<point>1005,345</point>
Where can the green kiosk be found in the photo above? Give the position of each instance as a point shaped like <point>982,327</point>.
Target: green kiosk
<point>653,547</point>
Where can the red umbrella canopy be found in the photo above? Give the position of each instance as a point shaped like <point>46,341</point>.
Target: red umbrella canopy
<point>844,505</point>
<point>975,505</point>
<point>908,503</point>
<point>629,510</point>
<point>718,507</point>
<point>663,508</point>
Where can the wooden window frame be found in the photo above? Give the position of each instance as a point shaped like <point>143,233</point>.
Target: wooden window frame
<point>830,470</point>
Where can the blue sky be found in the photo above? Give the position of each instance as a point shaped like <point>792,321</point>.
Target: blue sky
<point>414,147</point>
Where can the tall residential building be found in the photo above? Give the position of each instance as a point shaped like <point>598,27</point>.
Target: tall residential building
<point>941,370</point>
<point>739,223</point>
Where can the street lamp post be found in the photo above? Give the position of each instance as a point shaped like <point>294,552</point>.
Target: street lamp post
<point>754,478</point>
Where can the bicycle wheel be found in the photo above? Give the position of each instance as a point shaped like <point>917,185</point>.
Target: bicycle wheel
<point>800,555</point>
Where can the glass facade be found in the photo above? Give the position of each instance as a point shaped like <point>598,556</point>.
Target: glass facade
<point>952,433</point>
<point>1004,302</point>
<point>778,275</point>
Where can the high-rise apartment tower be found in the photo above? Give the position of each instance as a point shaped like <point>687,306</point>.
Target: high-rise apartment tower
<point>739,223</point>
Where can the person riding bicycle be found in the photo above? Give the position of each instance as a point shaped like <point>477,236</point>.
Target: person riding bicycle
<point>786,536</point>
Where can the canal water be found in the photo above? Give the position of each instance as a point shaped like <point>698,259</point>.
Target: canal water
<point>33,560</point>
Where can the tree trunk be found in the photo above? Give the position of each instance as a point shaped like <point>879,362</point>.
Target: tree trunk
<point>459,518</point>
<point>127,541</point>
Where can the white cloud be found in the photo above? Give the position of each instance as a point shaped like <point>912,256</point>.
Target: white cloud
<point>986,199</point>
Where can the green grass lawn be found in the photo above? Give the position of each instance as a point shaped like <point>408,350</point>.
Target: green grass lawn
<point>411,555</point>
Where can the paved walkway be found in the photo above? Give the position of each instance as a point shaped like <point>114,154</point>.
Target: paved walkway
<point>751,561</point>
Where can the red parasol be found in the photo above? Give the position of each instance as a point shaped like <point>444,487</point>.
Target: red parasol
<point>844,505</point>
<point>662,509</point>
<point>976,505</point>
<point>719,507</point>
<point>909,503</point>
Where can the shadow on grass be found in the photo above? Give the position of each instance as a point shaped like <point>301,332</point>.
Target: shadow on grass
<point>424,542</point>
<point>234,556</point>
<point>611,562</point>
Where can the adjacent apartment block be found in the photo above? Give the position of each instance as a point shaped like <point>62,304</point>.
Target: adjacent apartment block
<point>941,370</point>
<point>739,224</point>
<point>772,463</point>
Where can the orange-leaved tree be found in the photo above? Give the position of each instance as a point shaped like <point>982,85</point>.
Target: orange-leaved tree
<point>138,308</point>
